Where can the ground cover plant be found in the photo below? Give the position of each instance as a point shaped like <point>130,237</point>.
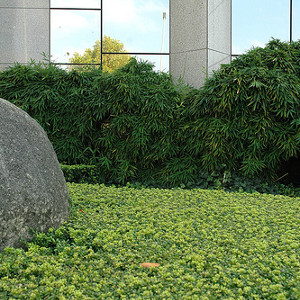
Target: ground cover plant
<point>208,244</point>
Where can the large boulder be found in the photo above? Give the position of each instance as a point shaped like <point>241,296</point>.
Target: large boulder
<point>33,191</point>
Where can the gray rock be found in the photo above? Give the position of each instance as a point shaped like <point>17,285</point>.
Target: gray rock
<point>33,192</point>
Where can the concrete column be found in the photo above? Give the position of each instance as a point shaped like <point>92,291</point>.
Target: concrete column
<point>24,31</point>
<point>200,38</point>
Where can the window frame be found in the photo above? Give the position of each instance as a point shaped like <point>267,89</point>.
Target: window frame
<point>100,38</point>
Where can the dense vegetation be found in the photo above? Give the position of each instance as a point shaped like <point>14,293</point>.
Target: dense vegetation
<point>136,125</point>
<point>248,113</point>
<point>209,244</point>
<point>123,121</point>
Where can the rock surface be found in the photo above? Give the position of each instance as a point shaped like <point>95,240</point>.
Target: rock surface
<point>33,192</point>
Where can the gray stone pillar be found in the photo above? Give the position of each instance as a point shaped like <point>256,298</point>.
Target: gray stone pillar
<point>200,38</point>
<point>24,31</point>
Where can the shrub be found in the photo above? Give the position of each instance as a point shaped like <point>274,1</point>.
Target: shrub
<point>209,244</point>
<point>123,121</point>
<point>247,115</point>
<point>136,124</point>
<point>57,99</point>
<point>141,116</point>
<point>83,174</point>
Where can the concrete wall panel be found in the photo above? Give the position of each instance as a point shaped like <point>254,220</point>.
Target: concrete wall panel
<point>200,38</point>
<point>4,66</point>
<point>24,3</point>
<point>219,25</point>
<point>188,25</point>
<point>190,67</point>
<point>216,59</point>
<point>24,34</point>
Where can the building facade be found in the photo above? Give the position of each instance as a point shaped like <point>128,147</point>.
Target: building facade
<point>200,40</point>
<point>200,35</point>
<point>24,31</point>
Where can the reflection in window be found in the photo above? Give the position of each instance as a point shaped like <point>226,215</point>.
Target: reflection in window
<point>255,22</point>
<point>138,24</point>
<point>142,27</point>
<point>73,31</point>
<point>110,62</point>
<point>160,62</point>
<point>296,20</point>
<point>75,3</point>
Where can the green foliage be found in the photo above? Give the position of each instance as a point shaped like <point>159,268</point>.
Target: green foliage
<point>247,115</point>
<point>57,100</point>
<point>122,121</point>
<point>209,244</point>
<point>176,174</point>
<point>110,62</point>
<point>82,173</point>
<point>137,125</point>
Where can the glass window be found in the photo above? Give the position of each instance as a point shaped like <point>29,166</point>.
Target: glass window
<point>131,26</point>
<point>137,24</point>
<point>73,31</point>
<point>111,61</point>
<point>75,3</point>
<point>161,62</point>
<point>255,22</point>
<point>296,20</point>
